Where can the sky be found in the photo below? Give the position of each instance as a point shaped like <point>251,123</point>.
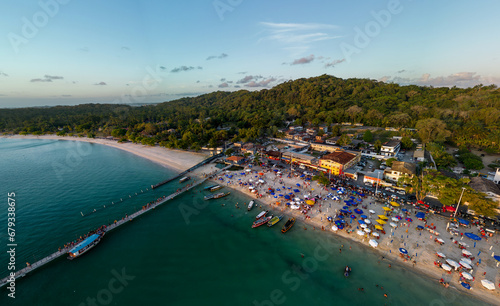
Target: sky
<point>67,52</point>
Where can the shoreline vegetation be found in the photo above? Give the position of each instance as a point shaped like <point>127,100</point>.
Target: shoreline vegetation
<point>421,243</point>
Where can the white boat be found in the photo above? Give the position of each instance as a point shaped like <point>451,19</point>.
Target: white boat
<point>250,205</point>
<point>85,245</point>
<point>262,214</point>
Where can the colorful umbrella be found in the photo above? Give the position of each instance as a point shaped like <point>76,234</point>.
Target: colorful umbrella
<point>439,254</point>
<point>386,208</point>
<point>383,217</point>
<point>380,228</point>
<point>381,221</point>
<point>394,204</point>
<point>403,251</point>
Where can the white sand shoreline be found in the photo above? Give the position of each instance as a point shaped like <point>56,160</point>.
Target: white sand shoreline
<point>177,160</point>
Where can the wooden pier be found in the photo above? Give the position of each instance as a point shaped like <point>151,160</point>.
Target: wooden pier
<point>51,257</point>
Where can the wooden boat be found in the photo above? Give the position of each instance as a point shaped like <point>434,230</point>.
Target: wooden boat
<point>221,195</point>
<point>186,178</point>
<point>261,221</point>
<point>209,197</point>
<point>274,220</point>
<point>262,214</point>
<point>215,188</point>
<point>250,205</point>
<point>288,225</point>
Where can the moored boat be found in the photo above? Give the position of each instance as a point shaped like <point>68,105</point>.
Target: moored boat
<point>220,195</point>
<point>262,214</point>
<point>209,187</point>
<point>215,188</point>
<point>250,205</point>
<point>209,197</point>
<point>186,178</point>
<point>288,225</point>
<point>274,220</point>
<point>261,221</point>
<point>85,245</point>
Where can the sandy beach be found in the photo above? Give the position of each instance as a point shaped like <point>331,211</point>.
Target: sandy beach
<point>174,159</point>
<point>421,245</point>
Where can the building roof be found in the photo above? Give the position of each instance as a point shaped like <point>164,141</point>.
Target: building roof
<point>404,167</point>
<point>235,158</point>
<point>299,156</point>
<point>483,185</point>
<point>391,143</point>
<point>377,173</point>
<point>418,154</point>
<point>339,157</point>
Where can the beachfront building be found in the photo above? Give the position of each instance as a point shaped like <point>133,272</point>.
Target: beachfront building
<point>339,161</point>
<point>398,170</point>
<point>274,155</point>
<point>487,187</point>
<point>374,177</point>
<point>333,140</point>
<point>235,160</point>
<point>300,159</point>
<point>351,173</point>
<point>321,147</point>
<point>391,148</point>
<point>496,178</point>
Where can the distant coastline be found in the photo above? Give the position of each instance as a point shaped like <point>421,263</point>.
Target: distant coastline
<point>177,160</point>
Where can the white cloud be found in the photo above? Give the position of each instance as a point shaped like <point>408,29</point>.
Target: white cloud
<point>460,79</point>
<point>298,33</point>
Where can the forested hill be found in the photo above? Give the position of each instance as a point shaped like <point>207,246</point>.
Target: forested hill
<point>472,115</point>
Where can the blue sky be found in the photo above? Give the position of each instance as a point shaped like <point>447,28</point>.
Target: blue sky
<point>64,52</point>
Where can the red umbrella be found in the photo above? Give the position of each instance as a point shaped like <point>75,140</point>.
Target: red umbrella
<point>420,202</point>
<point>450,208</point>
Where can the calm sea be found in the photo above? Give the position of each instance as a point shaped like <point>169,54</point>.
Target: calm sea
<point>187,252</point>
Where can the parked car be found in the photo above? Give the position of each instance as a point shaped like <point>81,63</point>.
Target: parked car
<point>401,192</point>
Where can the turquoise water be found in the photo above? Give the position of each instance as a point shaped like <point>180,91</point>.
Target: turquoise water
<point>187,252</point>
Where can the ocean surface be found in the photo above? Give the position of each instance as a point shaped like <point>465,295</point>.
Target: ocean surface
<point>186,252</point>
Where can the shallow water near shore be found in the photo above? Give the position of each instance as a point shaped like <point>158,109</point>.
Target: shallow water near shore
<point>186,252</point>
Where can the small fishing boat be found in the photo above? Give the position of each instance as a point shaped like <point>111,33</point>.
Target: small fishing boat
<point>288,225</point>
<point>209,197</point>
<point>85,245</point>
<point>186,178</point>
<point>209,187</point>
<point>221,195</point>
<point>274,220</point>
<point>261,221</point>
<point>262,214</point>
<point>347,271</point>
<point>250,205</point>
<point>215,188</point>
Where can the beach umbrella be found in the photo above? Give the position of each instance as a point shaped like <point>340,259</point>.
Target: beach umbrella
<point>375,234</point>
<point>275,170</point>
<point>361,233</point>
<point>345,207</point>
<point>353,217</point>
<point>358,211</point>
<point>466,260</point>
<point>395,219</point>
<point>463,244</point>
<point>339,192</point>
<point>383,217</point>
<point>466,286</point>
<point>472,236</point>
<point>296,199</point>
<point>393,224</point>
<point>371,211</point>
<point>367,221</point>
<point>439,254</point>
<point>404,209</point>
<point>341,217</point>
<point>335,228</point>
<point>420,202</point>
<point>488,284</point>
<point>394,204</point>
<point>335,198</point>
<point>386,208</point>
<point>380,228</point>
<point>464,222</point>
<point>329,218</point>
<point>465,265</point>
<point>287,197</point>
<point>373,243</point>
<point>465,252</point>
<point>399,217</point>
<point>296,190</point>
<point>351,197</point>
<point>310,202</point>
<point>420,215</point>
<point>363,226</point>
<point>497,257</point>
<point>380,221</point>
<point>420,227</point>
<point>453,263</point>
<point>466,275</point>
<point>361,221</point>
<point>450,208</point>
<point>363,216</point>
<point>409,220</point>
<point>298,185</point>
<point>446,267</point>
<point>403,251</point>
<point>367,230</point>
<point>440,240</point>
<point>248,170</point>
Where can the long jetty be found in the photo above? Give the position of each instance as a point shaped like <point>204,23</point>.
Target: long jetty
<point>61,252</point>
<point>206,161</point>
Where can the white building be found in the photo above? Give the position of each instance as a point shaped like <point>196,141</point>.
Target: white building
<point>391,148</point>
<point>496,178</point>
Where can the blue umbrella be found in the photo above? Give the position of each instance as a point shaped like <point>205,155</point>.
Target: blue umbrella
<point>353,217</point>
<point>463,221</point>
<point>420,227</point>
<point>302,175</point>
<point>364,216</point>
<point>275,170</point>
<point>404,209</point>
<point>361,221</point>
<point>329,219</point>
<point>345,207</point>
<point>298,185</point>
<point>403,251</point>
<point>465,285</point>
<point>359,200</point>
<point>362,194</point>
<point>296,190</point>
<point>472,236</point>
<point>334,188</point>
<point>287,197</point>
<point>338,222</point>
<point>341,217</point>
<point>344,211</point>
<point>358,211</point>
<point>278,189</point>
<point>351,197</point>
<point>280,195</point>
<point>497,257</point>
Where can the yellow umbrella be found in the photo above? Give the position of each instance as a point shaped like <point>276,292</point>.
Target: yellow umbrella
<point>386,208</point>
<point>394,204</point>
<point>383,217</point>
<point>310,202</point>
<point>379,227</point>
<point>381,221</point>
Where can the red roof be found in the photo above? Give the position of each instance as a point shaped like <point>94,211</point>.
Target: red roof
<point>235,158</point>
<point>340,157</point>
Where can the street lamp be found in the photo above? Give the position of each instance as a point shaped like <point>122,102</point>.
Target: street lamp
<point>378,179</point>
<point>463,189</point>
